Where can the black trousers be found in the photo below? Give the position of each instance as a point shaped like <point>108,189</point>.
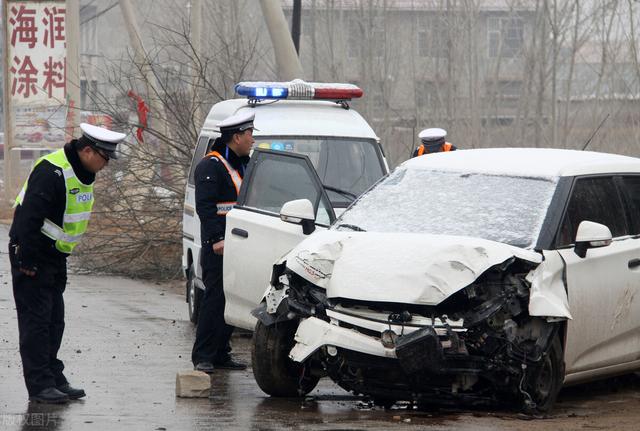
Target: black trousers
<point>213,334</point>
<point>40,309</point>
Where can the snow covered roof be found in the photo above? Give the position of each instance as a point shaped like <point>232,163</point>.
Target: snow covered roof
<point>295,118</point>
<point>534,162</point>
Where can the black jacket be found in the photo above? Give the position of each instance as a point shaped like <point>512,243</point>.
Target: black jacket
<point>213,185</point>
<point>45,198</point>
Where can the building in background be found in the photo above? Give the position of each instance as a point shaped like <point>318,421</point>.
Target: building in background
<point>494,72</point>
<point>458,65</point>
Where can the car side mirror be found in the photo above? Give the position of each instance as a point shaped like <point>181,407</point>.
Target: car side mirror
<point>299,211</point>
<point>591,235</point>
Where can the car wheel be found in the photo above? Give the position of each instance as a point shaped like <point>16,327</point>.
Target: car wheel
<point>194,296</point>
<point>276,374</point>
<point>545,383</point>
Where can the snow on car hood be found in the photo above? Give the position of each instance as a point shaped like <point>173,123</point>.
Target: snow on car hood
<point>397,267</point>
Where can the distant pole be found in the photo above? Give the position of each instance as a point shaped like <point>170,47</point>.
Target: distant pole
<point>295,24</point>
<point>11,166</point>
<point>73,67</point>
<point>196,42</point>
<point>287,61</point>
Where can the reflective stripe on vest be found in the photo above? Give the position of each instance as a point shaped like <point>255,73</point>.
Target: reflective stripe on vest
<point>235,176</point>
<point>54,231</point>
<point>78,205</point>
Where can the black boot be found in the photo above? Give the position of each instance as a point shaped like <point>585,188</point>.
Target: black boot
<point>50,396</point>
<point>230,364</point>
<point>205,367</point>
<point>72,393</point>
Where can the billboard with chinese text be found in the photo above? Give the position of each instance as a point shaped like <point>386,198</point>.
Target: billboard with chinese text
<point>36,73</point>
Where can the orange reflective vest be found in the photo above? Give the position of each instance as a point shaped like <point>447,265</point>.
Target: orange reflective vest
<point>224,207</point>
<point>446,147</point>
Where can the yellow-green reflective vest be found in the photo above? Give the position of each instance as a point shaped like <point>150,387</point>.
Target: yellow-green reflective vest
<point>77,210</point>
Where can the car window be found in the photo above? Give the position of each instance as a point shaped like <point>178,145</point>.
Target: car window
<point>276,180</point>
<point>350,165</point>
<point>501,208</point>
<point>197,155</point>
<point>631,185</point>
<point>596,200</point>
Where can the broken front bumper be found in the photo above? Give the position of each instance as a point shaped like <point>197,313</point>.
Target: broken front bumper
<point>368,336</point>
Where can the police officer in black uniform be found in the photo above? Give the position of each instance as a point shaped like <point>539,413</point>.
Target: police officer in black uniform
<point>433,141</point>
<point>218,177</point>
<point>38,262</point>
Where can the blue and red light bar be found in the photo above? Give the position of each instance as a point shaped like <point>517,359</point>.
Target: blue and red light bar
<point>298,90</point>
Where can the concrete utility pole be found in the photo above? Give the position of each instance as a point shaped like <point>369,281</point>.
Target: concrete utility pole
<point>11,161</point>
<point>287,61</point>
<point>296,17</point>
<point>196,41</point>
<point>73,66</point>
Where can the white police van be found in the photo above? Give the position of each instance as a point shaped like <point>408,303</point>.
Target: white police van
<point>309,145</point>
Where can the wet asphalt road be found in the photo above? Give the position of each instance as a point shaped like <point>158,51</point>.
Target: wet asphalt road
<point>125,340</point>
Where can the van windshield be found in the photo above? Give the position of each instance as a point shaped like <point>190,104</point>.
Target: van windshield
<point>347,167</point>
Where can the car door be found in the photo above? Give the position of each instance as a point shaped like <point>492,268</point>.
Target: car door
<point>602,287</point>
<point>255,235</point>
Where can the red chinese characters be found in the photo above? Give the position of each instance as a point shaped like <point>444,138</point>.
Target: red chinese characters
<point>54,75</point>
<point>24,77</point>
<point>54,26</point>
<point>37,32</point>
<point>23,21</point>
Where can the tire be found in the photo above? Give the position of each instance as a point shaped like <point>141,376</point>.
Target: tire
<point>276,374</point>
<point>545,383</point>
<point>194,296</point>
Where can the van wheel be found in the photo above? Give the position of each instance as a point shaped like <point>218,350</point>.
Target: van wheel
<point>194,296</point>
<point>276,374</point>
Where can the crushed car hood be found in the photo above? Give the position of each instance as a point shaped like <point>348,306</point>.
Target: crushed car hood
<point>397,267</point>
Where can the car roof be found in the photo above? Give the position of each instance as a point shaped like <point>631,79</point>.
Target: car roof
<point>295,118</point>
<point>534,162</point>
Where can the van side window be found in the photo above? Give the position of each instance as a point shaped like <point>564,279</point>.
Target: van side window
<point>596,200</point>
<point>198,154</point>
<point>631,186</point>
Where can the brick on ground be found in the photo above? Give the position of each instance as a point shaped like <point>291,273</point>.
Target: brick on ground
<point>193,384</point>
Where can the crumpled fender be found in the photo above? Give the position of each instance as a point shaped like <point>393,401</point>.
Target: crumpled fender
<point>548,294</point>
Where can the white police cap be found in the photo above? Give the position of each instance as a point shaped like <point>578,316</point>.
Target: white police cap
<point>433,134</point>
<point>102,138</point>
<point>238,122</point>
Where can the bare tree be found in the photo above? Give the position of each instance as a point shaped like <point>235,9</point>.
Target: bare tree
<point>137,226</point>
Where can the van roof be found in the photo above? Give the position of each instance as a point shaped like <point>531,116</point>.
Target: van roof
<point>295,118</point>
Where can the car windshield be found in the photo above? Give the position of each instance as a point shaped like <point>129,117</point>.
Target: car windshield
<point>347,167</point>
<point>506,209</point>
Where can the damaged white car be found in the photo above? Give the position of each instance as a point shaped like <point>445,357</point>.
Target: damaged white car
<point>479,276</point>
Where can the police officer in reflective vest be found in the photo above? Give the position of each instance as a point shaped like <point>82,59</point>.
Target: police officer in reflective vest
<point>51,215</point>
<point>433,142</point>
<point>218,177</point>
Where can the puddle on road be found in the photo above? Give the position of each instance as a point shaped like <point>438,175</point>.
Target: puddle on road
<point>326,405</point>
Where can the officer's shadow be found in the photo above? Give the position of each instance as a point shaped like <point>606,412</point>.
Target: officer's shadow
<point>48,417</point>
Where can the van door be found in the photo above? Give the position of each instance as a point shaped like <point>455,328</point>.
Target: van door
<point>255,235</point>
<point>190,221</point>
